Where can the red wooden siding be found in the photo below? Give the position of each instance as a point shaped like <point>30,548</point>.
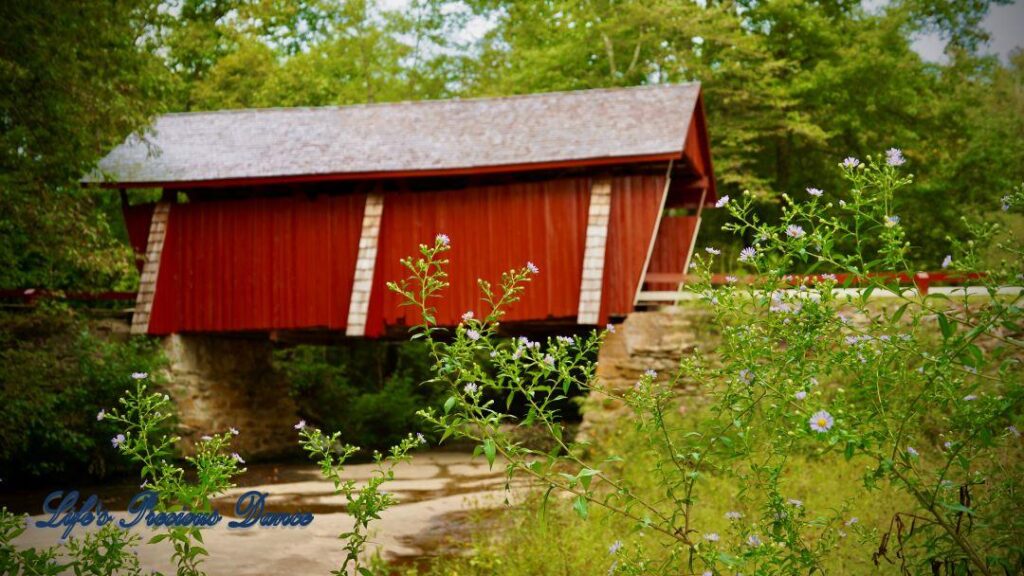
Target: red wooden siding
<point>492,229</point>
<point>272,263</point>
<point>671,247</point>
<point>136,221</point>
<point>636,206</point>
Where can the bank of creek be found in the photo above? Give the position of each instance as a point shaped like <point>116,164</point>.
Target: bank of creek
<point>437,492</point>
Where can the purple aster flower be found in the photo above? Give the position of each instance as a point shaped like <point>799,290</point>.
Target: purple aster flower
<point>610,328</point>
<point>746,376</point>
<point>118,440</point>
<point>467,316</point>
<point>851,162</point>
<point>711,537</point>
<point>796,503</point>
<point>139,375</point>
<point>800,395</point>
<point>1013,430</point>
<point>731,279</point>
<point>912,451</point>
<point>237,458</point>
<point>753,540</point>
<point>301,425</point>
<point>1005,200</point>
<point>651,373</point>
<point>853,520</point>
<point>101,415</point>
<point>891,221</point>
<point>747,254</point>
<point>472,335</point>
<point>420,438</point>
<point>821,421</point>
<point>794,231</point>
<point>947,261</point>
<point>733,515</point>
<point>722,201</point>
<point>233,430</point>
<point>894,157</point>
<point>815,192</point>
<point>970,397</point>
<point>470,388</point>
<point>712,250</point>
<point>206,438</point>
<point>615,547</point>
<point>947,445</point>
<point>442,239</point>
<point>549,360</point>
<point>532,268</point>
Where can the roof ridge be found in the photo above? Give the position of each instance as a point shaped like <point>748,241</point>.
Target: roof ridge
<point>434,101</point>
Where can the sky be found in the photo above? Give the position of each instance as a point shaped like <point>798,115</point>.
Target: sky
<point>1005,24</point>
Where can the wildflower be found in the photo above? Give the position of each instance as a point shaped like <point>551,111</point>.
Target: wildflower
<point>442,239</point>
<point>947,445</point>
<point>891,221</point>
<point>800,395</point>
<point>206,438</point>
<point>711,537</point>
<point>532,268</point>
<point>796,503</point>
<point>851,162</point>
<point>731,279</point>
<point>651,373</point>
<point>1005,200</point>
<point>117,441</point>
<point>420,438</point>
<point>853,520</point>
<point>814,192</point>
<point>139,375</point>
<point>615,547</point>
<point>1013,430</point>
<point>747,254</point>
<point>971,369</point>
<point>301,425</point>
<point>563,339</point>
<point>101,414</point>
<point>712,250</point>
<point>912,452</point>
<point>821,421</point>
<point>794,231</point>
<point>472,335</point>
<point>233,430</point>
<point>813,381</point>
<point>237,458</point>
<point>746,376</point>
<point>722,201</point>
<point>470,388</point>
<point>947,261</point>
<point>894,157</point>
<point>611,569</point>
<point>467,316</point>
<point>733,515</point>
<point>753,540</point>
<point>549,360</point>
<point>610,328</point>
<point>708,573</point>
<point>970,397</point>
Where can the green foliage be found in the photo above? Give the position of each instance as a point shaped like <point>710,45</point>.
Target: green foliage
<point>108,551</point>
<point>367,391</point>
<point>364,503</point>
<point>141,418</point>
<point>931,417</point>
<point>55,375</point>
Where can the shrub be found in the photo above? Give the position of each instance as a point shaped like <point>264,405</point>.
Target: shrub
<point>55,375</point>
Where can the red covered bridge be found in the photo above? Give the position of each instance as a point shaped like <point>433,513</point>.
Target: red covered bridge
<point>296,218</point>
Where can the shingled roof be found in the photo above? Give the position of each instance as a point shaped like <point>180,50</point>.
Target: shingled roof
<point>406,137</point>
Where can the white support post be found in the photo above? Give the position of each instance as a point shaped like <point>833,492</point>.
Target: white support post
<point>362,282</point>
<point>593,255</point>
<point>150,268</point>
<point>654,237</point>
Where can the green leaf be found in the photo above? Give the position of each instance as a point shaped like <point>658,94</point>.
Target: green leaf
<point>449,404</point>
<point>489,451</point>
<point>158,538</point>
<point>945,326</point>
<point>580,506</point>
